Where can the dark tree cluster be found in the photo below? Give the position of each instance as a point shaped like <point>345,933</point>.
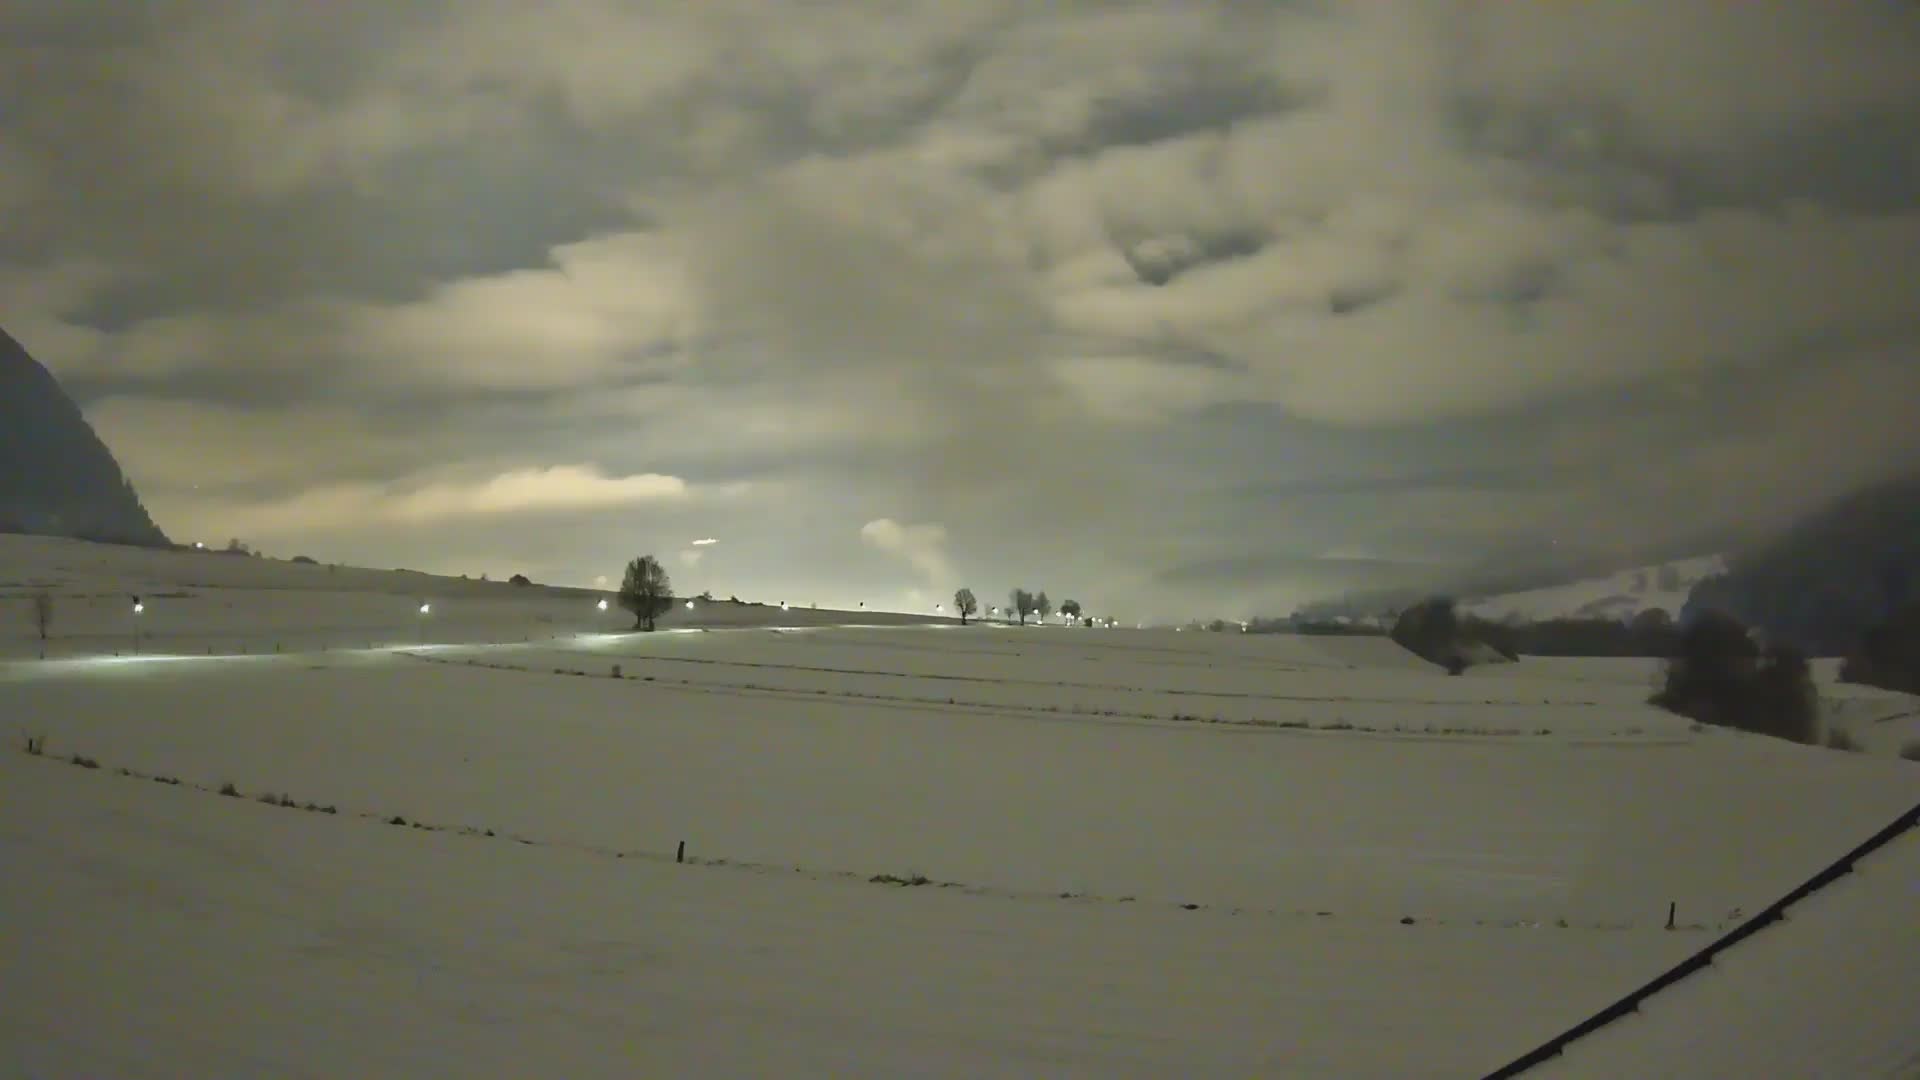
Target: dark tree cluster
<point>1313,626</point>
<point>1888,655</point>
<point>1651,633</point>
<point>1720,675</point>
<point>1023,603</point>
<point>1432,630</point>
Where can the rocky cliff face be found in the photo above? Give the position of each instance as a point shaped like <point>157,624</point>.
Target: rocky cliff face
<point>56,477</point>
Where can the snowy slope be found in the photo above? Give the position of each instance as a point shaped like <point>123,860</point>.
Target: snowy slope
<point>1883,722</point>
<point>1145,853</point>
<point>201,602</point>
<point>1801,987</point>
<point>157,932</point>
<point>1616,596</point>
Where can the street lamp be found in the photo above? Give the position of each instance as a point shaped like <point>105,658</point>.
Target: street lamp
<point>602,605</point>
<point>425,610</point>
<point>689,605</point>
<point>138,607</point>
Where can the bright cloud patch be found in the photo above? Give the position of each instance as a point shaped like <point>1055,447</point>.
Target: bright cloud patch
<point>561,487</point>
<point>923,547</point>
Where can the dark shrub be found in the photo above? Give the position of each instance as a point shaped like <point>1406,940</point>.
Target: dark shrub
<point>1889,654</point>
<point>1783,701</point>
<point>1719,675</point>
<point>1707,676</point>
<point>1430,630</point>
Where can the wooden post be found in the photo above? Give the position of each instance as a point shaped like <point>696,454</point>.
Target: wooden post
<point>680,855</point>
<point>1671,906</point>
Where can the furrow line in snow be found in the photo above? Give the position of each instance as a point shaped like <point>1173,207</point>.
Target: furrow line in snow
<point>1045,711</point>
<point>910,880</point>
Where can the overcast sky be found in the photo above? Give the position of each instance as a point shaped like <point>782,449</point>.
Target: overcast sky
<point>1177,308</point>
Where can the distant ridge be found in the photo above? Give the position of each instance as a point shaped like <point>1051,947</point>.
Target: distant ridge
<point>56,477</point>
<point>1823,582</point>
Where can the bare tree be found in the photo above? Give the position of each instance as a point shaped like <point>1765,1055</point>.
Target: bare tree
<point>1022,602</point>
<point>646,591</point>
<point>965,604</point>
<point>43,619</point>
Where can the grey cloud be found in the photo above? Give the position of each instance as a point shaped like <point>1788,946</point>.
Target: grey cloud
<point>1198,299</point>
<point>1322,572</point>
<point>1531,475</point>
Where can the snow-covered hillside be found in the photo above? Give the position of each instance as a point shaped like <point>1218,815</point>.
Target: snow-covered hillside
<point>205,602</point>
<point>1619,595</point>
<point>909,849</point>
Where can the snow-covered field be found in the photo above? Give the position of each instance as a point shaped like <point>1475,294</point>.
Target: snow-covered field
<point>1817,996</point>
<point>1139,853</point>
<point>203,602</point>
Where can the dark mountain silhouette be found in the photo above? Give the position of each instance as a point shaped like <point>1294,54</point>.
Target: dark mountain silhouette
<point>56,477</point>
<point>1824,582</point>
